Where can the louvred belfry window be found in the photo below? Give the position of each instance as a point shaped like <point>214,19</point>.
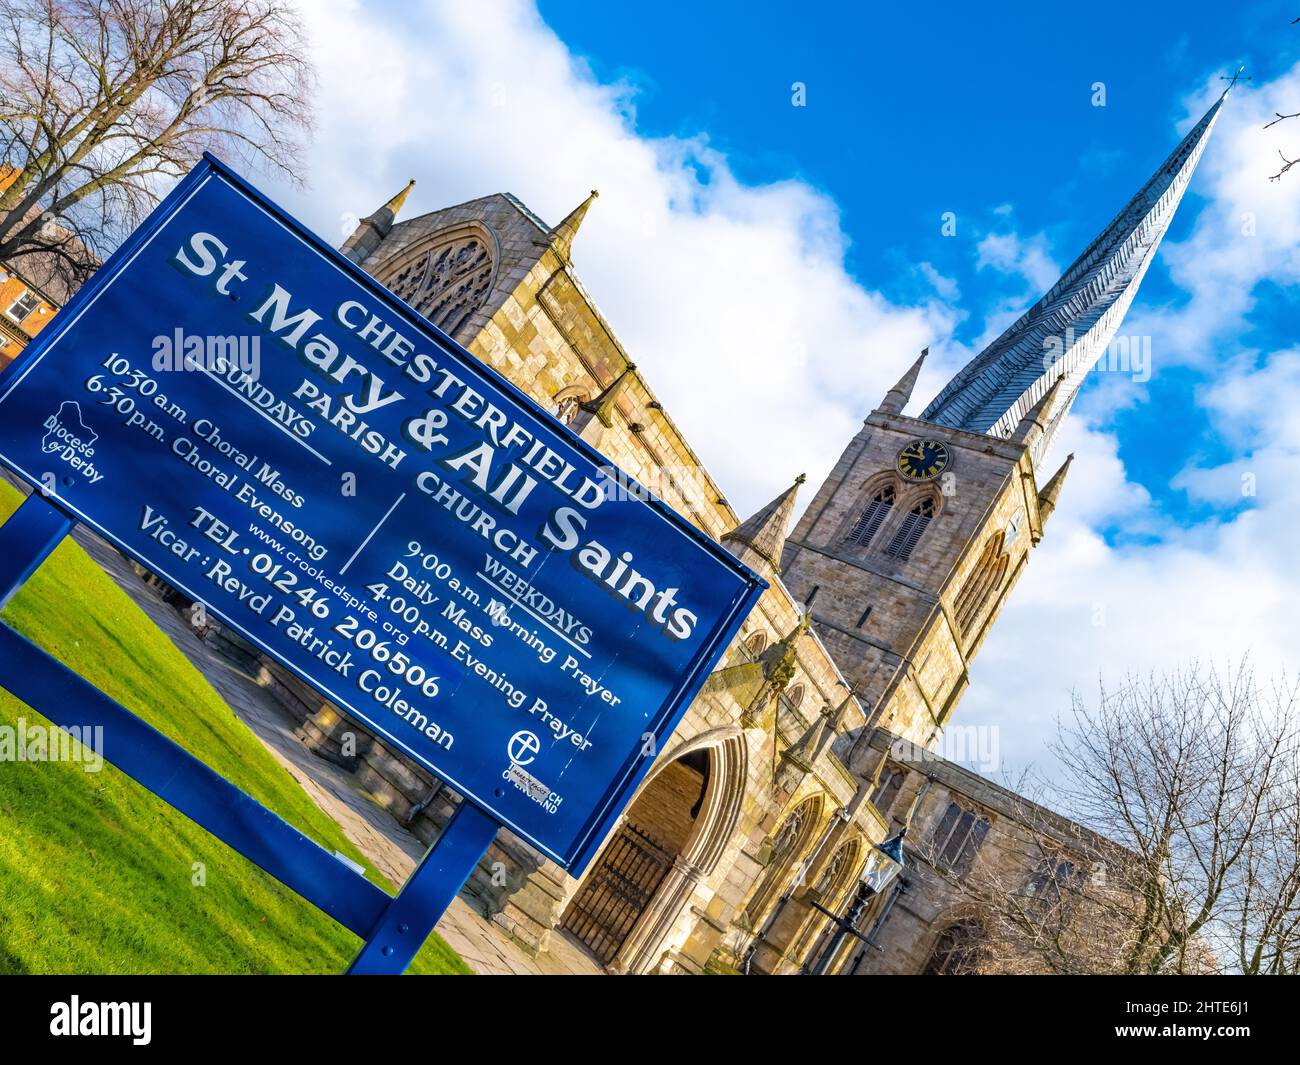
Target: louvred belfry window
<point>872,517</point>
<point>910,529</point>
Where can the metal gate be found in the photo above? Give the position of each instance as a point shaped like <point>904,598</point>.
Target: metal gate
<point>617,892</point>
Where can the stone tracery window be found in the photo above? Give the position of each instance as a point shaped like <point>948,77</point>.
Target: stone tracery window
<point>1053,878</point>
<point>791,839</point>
<point>831,872</point>
<point>785,838</point>
<point>449,282</point>
<point>957,837</point>
<point>957,951</point>
<point>985,579</point>
<point>891,782</point>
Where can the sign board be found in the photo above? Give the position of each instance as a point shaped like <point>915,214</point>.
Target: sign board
<point>250,416</point>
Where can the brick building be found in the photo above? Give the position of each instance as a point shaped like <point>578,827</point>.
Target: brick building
<point>32,289</point>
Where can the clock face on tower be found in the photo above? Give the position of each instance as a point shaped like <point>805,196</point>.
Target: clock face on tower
<point>923,460</point>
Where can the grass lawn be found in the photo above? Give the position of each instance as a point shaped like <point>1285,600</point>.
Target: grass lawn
<point>96,874</point>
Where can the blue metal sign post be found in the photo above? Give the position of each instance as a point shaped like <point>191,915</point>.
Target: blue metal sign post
<point>236,406</point>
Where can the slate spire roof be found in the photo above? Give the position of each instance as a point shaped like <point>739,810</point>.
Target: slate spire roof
<point>1065,332</point>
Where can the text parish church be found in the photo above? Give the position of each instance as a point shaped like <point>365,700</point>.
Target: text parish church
<point>787,768</point>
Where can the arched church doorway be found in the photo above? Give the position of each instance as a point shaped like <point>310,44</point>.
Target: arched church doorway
<point>623,881</point>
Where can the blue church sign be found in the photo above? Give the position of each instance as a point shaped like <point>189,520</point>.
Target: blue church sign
<point>250,416</point>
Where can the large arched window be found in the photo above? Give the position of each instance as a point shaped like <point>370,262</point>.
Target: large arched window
<point>957,837</point>
<point>909,530</point>
<point>448,282</point>
<point>792,838</point>
<point>872,517</point>
<point>891,781</point>
<point>956,953</point>
<point>985,579</point>
<point>1054,879</point>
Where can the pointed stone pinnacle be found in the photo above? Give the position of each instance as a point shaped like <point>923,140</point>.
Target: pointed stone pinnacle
<point>562,235</point>
<point>1051,493</point>
<point>765,530</point>
<point>395,204</point>
<point>1037,418</point>
<point>896,398</point>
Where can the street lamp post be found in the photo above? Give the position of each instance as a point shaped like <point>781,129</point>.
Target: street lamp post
<point>884,863</point>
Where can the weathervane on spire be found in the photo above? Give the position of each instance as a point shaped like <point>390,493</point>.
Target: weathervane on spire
<point>1232,81</point>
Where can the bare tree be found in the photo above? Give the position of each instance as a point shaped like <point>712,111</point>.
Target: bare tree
<point>103,101</point>
<point>1190,787</point>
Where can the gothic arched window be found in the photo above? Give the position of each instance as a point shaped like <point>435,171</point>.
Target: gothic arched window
<point>980,585</point>
<point>958,836</point>
<point>757,643</point>
<point>956,953</point>
<point>785,839</point>
<point>891,781</point>
<point>910,529</point>
<point>566,408</point>
<point>872,516</point>
<point>447,283</point>
<point>792,838</point>
<point>1053,878</point>
<point>794,696</point>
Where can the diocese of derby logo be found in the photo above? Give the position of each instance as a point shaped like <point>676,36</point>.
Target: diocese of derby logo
<point>71,439</point>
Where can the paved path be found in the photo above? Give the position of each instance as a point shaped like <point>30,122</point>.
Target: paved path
<point>376,833</point>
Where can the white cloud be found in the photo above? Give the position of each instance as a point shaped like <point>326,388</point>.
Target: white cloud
<point>733,299</point>
<point>1027,257</point>
<point>945,287</point>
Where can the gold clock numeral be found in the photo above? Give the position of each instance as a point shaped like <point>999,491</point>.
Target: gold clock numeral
<point>923,460</point>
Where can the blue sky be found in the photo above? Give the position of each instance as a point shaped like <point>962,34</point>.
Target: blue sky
<point>773,270</point>
<point>913,111</point>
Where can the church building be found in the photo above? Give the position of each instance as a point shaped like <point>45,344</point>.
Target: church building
<point>803,752</point>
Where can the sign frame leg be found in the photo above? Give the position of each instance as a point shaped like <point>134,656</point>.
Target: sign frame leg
<point>408,920</point>
<point>27,538</point>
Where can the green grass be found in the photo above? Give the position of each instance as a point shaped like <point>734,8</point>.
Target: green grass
<point>96,873</point>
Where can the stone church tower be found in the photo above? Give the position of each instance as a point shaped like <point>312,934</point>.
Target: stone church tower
<point>765,803</point>
<point>910,547</point>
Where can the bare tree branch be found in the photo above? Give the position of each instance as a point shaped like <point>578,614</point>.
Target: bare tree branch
<point>1189,788</point>
<point>102,102</point>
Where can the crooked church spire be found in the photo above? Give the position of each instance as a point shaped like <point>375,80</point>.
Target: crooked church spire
<point>1064,333</point>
